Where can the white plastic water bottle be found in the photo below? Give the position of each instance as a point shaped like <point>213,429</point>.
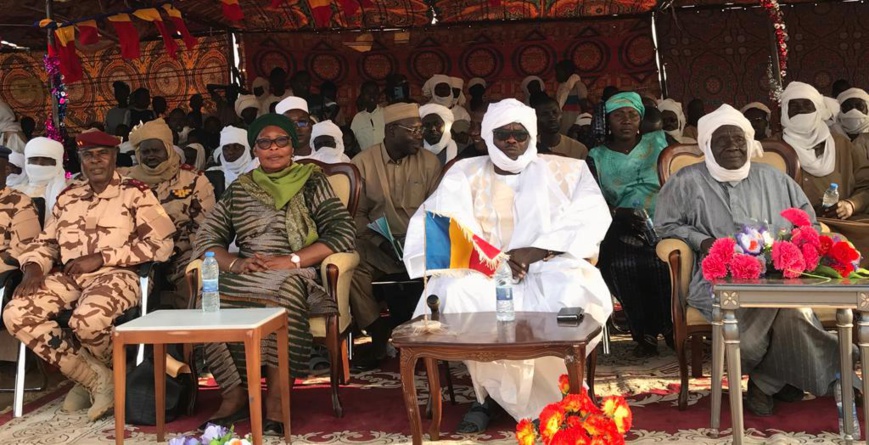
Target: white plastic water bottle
<point>837,394</point>
<point>504,292</point>
<point>831,196</point>
<point>210,293</point>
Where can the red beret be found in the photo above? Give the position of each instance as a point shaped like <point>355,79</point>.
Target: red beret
<point>95,139</point>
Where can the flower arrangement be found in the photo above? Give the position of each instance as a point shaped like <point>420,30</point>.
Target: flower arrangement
<point>801,252</point>
<point>213,435</point>
<point>576,420</point>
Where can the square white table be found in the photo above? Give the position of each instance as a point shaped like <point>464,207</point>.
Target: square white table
<point>189,326</point>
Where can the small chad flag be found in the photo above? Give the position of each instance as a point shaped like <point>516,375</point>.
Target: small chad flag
<point>127,35</point>
<point>448,245</point>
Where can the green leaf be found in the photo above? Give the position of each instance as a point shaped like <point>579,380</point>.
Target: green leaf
<point>827,271</point>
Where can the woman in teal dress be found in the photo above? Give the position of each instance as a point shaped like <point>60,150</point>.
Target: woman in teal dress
<point>626,166</point>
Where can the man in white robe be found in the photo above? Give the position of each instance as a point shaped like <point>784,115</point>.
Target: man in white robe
<point>437,121</point>
<point>327,142</point>
<point>533,208</point>
<point>234,154</point>
<point>44,168</point>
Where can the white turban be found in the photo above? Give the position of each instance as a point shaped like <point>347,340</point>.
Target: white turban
<point>477,81</point>
<point>245,101</point>
<point>447,137</point>
<point>428,90</point>
<point>291,103</point>
<point>804,131</point>
<point>231,170</point>
<point>726,115</point>
<point>458,82</point>
<point>757,106</point>
<point>524,86</point>
<point>675,108</point>
<point>583,119</point>
<point>14,179</point>
<point>261,82</point>
<point>200,161</point>
<point>506,112</point>
<point>854,121</point>
<point>51,177</point>
<point>329,155</point>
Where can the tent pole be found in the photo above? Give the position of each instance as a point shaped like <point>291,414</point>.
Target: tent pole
<point>50,33</point>
<point>776,70</point>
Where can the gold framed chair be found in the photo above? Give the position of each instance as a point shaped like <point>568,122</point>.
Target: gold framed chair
<point>688,322</point>
<point>336,273</point>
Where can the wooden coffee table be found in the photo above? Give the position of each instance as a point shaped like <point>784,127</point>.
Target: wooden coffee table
<point>187,326</point>
<point>481,337</point>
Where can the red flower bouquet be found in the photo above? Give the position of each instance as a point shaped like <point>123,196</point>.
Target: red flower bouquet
<point>802,251</point>
<point>576,420</point>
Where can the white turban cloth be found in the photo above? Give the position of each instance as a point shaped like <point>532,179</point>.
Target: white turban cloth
<point>200,161</point>
<point>447,137</point>
<point>804,131</point>
<point>231,170</point>
<point>49,180</point>
<point>245,101</point>
<point>761,107</point>
<point>524,86</point>
<point>458,82</point>
<point>477,81</point>
<point>506,112</point>
<point>16,179</point>
<point>675,108</point>
<point>428,90</point>
<point>726,115</point>
<point>572,85</point>
<point>329,155</point>
<point>291,103</point>
<point>854,121</point>
<point>583,119</point>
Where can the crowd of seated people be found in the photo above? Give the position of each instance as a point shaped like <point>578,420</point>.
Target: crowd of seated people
<point>565,185</point>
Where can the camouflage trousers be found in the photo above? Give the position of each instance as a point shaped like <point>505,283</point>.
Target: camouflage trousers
<point>96,300</point>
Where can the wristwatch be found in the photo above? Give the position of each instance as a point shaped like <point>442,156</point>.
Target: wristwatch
<point>296,260</point>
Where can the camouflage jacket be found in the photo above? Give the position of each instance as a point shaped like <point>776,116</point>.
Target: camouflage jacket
<point>187,198</point>
<point>19,224</point>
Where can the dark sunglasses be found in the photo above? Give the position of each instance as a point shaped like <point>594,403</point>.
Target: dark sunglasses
<point>266,143</point>
<point>504,135</point>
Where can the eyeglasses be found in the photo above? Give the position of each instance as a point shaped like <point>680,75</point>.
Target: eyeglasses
<point>504,135</point>
<point>266,143</point>
<point>302,123</point>
<point>415,131</point>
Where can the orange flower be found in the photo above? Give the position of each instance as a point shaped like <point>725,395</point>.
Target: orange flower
<point>551,419</point>
<point>564,384</point>
<point>599,424</point>
<point>617,408</point>
<point>570,436</point>
<point>579,403</point>
<point>525,433</point>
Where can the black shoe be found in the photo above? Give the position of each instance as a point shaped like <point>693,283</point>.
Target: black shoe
<point>228,421</point>
<point>273,428</point>
<point>757,402</point>
<point>645,350</point>
<point>365,363</point>
<point>789,394</point>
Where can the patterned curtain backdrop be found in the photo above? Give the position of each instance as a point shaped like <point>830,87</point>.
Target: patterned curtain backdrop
<point>452,11</point>
<point>607,52</point>
<point>23,82</point>
<point>722,55</point>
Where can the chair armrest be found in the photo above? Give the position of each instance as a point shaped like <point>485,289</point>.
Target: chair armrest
<point>679,258</point>
<point>824,228</point>
<point>337,283</point>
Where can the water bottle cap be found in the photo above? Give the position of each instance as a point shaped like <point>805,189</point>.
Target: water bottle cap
<point>636,204</point>
<point>834,186</point>
<point>209,254</point>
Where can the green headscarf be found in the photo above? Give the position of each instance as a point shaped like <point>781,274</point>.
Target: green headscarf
<point>268,120</point>
<point>282,186</point>
<point>625,99</point>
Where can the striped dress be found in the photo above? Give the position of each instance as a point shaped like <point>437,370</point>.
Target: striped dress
<point>246,214</point>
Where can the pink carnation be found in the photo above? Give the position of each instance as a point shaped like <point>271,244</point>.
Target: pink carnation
<point>811,256</point>
<point>797,217</point>
<point>713,268</point>
<point>806,235</point>
<point>787,258</point>
<point>745,267</point>
<point>723,249</point>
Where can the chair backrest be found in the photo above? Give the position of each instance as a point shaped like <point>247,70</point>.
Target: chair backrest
<point>345,180</point>
<point>39,203</point>
<point>217,180</point>
<point>775,153</point>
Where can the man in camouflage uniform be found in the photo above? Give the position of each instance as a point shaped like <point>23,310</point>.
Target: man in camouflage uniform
<point>185,194</point>
<point>101,228</point>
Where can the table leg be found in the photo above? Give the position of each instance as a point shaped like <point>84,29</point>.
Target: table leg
<point>575,363</point>
<point>160,389</point>
<point>844,323</point>
<point>717,367</point>
<point>863,339</point>
<point>434,387</point>
<point>120,369</point>
<point>408,386</point>
<point>284,377</point>
<point>252,352</point>
<point>734,373</point>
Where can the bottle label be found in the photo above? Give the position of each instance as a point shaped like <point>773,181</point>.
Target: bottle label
<point>504,293</point>
<point>209,285</point>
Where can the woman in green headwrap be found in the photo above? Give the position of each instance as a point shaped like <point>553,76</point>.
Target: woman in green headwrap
<point>285,219</point>
<point>627,170</point>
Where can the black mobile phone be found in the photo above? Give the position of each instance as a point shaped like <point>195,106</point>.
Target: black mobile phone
<point>570,315</point>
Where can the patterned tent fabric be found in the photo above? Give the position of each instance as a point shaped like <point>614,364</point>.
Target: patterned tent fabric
<point>456,11</point>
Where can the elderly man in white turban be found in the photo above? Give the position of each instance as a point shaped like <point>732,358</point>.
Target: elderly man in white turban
<point>854,117</point>
<point>437,121</point>
<point>234,154</point>
<point>759,115</point>
<point>247,108</point>
<point>673,119</point>
<point>439,90</point>
<point>296,109</point>
<point>327,141</point>
<point>800,355</point>
<point>44,168</point>
<point>548,214</point>
<point>11,135</point>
